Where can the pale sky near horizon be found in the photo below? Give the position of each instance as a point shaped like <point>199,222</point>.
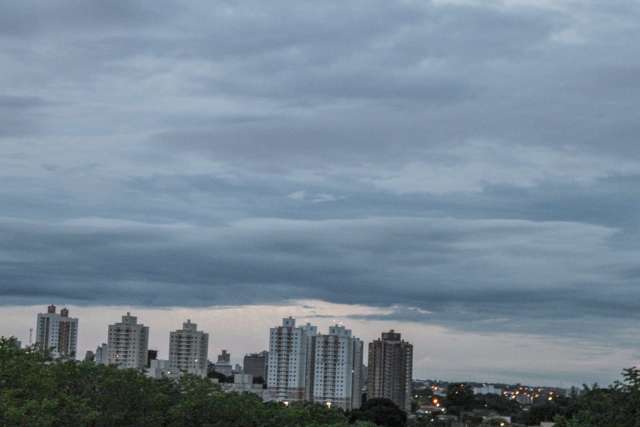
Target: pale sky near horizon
<point>465,171</point>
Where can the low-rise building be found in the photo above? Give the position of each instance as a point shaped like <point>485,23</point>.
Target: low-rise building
<point>486,389</point>
<point>159,368</point>
<point>255,364</point>
<point>243,383</point>
<point>102,354</point>
<point>223,365</point>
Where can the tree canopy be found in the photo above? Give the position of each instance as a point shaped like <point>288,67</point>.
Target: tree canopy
<point>383,412</point>
<point>38,392</point>
<point>615,406</point>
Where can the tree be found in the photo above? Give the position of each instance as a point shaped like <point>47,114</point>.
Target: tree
<point>459,398</point>
<point>615,406</point>
<point>383,412</point>
<point>498,403</point>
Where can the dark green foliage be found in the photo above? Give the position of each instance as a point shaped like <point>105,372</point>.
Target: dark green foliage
<point>544,410</point>
<point>222,378</point>
<point>459,398</point>
<point>37,392</point>
<point>382,412</point>
<point>34,391</point>
<point>616,406</point>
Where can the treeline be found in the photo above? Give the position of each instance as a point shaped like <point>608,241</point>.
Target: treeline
<point>615,406</point>
<point>35,391</point>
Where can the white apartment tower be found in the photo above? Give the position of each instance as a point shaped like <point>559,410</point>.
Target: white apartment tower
<point>188,350</point>
<point>57,332</point>
<point>128,343</point>
<point>290,366</point>
<point>338,369</point>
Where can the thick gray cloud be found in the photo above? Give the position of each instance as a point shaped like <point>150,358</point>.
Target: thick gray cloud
<point>473,164</point>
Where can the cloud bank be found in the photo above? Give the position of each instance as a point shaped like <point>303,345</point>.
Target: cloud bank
<point>472,164</point>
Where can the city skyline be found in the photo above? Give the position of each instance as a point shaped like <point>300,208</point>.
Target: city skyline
<point>464,171</point>
<point>442,359</point>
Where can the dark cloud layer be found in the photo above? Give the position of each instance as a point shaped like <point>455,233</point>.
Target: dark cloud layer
<point>469,163</point>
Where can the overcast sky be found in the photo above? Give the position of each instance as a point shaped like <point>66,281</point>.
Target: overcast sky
<point>454,168</point>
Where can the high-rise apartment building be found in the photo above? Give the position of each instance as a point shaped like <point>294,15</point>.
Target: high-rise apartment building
<point>391,369</point>
<point>255,364</point>
<point>290,367</point>
<point>128,343</point>
<point>338,369</point>
<point>188,350</point>
<point>57,332</point>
